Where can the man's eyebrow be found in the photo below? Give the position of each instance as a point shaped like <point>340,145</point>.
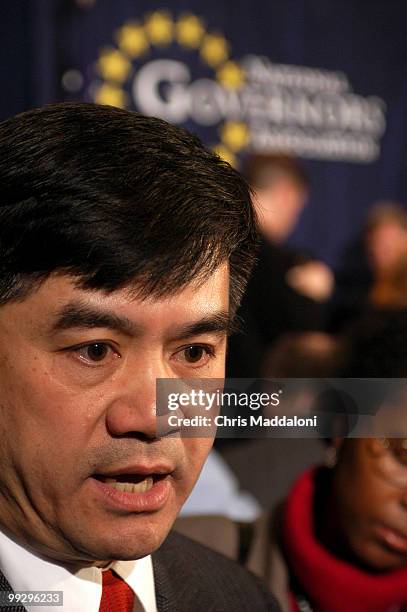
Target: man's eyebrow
<point>76,314</point>
<point>79,315</point>
<point>217,323</point>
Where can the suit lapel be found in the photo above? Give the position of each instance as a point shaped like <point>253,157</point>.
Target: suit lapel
<point>5,586</point>
<point>175,587</point>
<point>164,594</point>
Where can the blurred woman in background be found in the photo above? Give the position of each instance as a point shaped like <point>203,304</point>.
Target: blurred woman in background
<point>338,542</point>
<point>386,248</point>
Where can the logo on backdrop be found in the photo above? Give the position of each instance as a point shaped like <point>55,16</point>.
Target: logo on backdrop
<point>174,68</point>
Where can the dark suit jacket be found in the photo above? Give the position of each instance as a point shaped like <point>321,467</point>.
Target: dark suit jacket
<point>256,545</point>
<point>190,577</point>
<point>270,308</point>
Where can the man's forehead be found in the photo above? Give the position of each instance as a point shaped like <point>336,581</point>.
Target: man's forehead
<point>60,303</point>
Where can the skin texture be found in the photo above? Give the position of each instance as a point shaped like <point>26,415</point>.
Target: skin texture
<point>366,510</point>
<point>65,416</point>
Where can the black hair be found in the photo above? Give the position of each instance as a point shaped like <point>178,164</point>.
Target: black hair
<point>377,346</point>
<point>114,198</point>
<point>385,211</point>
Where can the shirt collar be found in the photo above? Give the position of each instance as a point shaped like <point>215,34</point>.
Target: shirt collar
<point>82,590</point>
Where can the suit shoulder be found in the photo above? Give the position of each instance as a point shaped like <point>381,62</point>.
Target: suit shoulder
<point>212,574</point>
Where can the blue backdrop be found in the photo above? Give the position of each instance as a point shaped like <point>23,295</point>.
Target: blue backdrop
<point>323,79</point>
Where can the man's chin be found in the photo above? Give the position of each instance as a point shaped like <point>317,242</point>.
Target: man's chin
<point>138,538</point>
<point>116,531</point>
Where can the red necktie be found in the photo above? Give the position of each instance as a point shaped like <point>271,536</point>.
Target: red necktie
<point>117,596</point>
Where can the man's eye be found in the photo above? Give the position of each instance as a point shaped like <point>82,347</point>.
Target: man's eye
<point>196,353</point>
<point>95,352</point>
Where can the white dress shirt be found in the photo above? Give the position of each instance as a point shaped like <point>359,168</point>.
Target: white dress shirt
<point>82,590</point>
<point>218,492</point>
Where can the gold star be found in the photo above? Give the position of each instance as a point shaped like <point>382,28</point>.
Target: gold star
<point>225,154</point>
<point>189,31</point>
<point>231,75</point>
<point>132,39</point>
<point>214,50</point>
<point>111,95</point>
<point>113,65</point>
<point>159,27</point>
<point>235,135</point>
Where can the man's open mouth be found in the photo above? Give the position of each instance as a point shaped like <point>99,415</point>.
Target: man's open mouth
<point>131,483</point>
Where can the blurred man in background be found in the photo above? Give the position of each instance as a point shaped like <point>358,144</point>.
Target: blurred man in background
<point>287,290</point>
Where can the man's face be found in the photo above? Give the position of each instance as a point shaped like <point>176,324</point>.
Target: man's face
<point>371,508</point>
<point>279,207</point>
<point>78,371</point>
<point>385,245</point>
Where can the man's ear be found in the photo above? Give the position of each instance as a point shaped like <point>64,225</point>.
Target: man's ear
<point>332,451</point>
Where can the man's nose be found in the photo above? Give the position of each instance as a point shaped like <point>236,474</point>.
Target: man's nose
<point>133,408</point>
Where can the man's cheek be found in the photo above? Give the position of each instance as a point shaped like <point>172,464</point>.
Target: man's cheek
<point>197,450</point>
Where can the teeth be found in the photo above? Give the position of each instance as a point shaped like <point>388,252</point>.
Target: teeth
<point>130,487</point>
